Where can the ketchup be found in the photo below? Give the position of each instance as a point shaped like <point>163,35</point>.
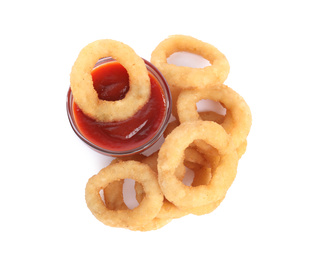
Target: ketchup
<point>111,82</point>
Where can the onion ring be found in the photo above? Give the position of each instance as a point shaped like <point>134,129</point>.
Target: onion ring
<point>114,200</point>
<point>85,96</point>
<point>139,216</point>
<point>180,138</point>
<point>114,196</point>
<point>238,117</point>
<point>202,177</point>
<point>187,77</point>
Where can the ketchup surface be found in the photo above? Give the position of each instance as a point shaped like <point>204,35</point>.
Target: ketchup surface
<point>111,81</point>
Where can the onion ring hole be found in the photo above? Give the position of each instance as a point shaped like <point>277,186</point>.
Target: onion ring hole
<point>188,59</point>
<point>129,194</point>
<point>205,105</point>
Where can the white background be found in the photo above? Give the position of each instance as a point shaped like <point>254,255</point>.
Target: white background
<point>268,211</point>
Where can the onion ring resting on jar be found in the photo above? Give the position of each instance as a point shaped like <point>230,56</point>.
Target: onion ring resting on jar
<point>86,97</point>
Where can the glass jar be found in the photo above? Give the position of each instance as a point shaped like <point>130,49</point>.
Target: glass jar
<point>154,72</point>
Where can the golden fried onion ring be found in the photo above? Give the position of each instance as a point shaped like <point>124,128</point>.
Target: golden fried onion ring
<point>139,216</point>
<point>172,152</point>
<point>113,195</point>
<point>187,77</point>
<point>85,96</point>
<point>238,118</point>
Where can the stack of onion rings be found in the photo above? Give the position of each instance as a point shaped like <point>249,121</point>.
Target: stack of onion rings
<point>206,143</point>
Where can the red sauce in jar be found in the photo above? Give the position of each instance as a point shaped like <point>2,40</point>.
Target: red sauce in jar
<point>111,81</point>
